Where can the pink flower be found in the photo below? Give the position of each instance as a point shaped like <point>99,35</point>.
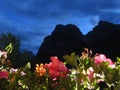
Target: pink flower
<point>90,73</point>
<point>99,59</point>
<point>102,58</point>
<point>22,73</point>
<point>3,74</point>
<point>56,67</point>
<point>13,70</point>
<point>111,64</point>
<point>3,54</point>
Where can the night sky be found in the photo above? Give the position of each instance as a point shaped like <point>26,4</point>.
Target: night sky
<point>32,20</point>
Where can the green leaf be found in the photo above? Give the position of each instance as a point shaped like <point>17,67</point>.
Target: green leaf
<point>111,75</point>
<point>28,65</point>
<point>71,59</point>
<point>117,86</point>
<point>9,48</point>
<point>118,59</point>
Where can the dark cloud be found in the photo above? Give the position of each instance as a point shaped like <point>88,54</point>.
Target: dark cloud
<point>30,40</point>
<point>6,28</point>
<point>49,8</point>
<point>113,17</point>
<point>32,43</point>
<point>30,36</point>
<point>45,9</point>
<point>32,20</point>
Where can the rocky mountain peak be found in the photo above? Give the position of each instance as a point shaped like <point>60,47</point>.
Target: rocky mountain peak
<point>65,32</point>
<point>65,39</point>
<point>101,31</point>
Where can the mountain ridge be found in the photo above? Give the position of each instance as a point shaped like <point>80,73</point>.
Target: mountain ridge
<point>65,39</point>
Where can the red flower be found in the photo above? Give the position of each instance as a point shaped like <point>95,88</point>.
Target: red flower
<point>102,58</point>
<point>56,67</point>
<point>3,74</point>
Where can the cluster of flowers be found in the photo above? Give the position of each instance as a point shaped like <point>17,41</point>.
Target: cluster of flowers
<point>56,68</point>
<point>86,73</point>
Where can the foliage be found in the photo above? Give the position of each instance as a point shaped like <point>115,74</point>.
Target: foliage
<point>18,57</point>
<point>87,72</point>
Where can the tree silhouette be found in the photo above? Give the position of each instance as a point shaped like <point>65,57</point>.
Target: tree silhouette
<point>17,57</point>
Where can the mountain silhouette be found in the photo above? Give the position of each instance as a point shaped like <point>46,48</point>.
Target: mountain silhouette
<point>65,39</point>
<point>104,38</point>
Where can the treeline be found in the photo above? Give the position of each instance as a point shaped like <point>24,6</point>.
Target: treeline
<point>18,57</point>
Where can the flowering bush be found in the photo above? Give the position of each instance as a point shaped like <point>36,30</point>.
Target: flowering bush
<point>86,73</point>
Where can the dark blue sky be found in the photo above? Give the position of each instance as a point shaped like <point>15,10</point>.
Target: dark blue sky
<point>32,20</point>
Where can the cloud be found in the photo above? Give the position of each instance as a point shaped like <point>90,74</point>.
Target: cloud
<point>52,9</point>
<point>32,44</point>
<point>30,36</point>
<point>62,7</point>
<point>32,20</point>
<point>113,17</point>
